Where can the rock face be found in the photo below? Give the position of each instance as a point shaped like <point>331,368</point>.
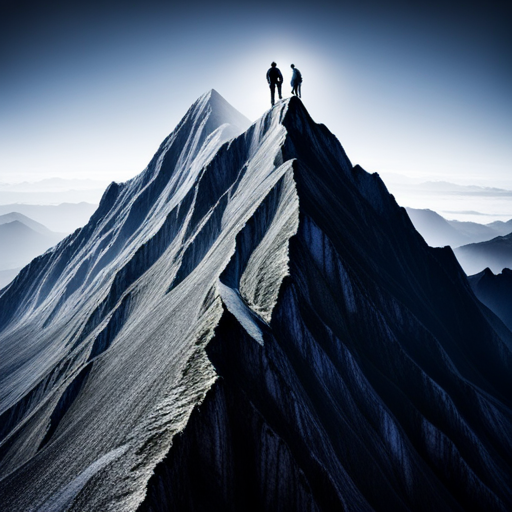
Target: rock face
<point>251,324</point>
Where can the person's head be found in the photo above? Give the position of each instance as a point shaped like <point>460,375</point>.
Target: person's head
<point>292,66</point>
<point>273,64</point>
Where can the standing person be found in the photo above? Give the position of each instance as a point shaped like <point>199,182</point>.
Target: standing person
<point>274,77</point>
<point>296,82</point>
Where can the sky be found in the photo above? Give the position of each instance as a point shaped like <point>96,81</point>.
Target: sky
<point>90,89</point>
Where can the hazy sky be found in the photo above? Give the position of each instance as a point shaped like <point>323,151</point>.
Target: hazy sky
<point>90,89</point>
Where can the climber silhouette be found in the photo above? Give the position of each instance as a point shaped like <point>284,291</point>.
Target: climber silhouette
<point>274,77</point>
<point>296,82</point>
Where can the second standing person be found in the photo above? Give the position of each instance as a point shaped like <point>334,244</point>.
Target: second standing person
<point>296,82</point>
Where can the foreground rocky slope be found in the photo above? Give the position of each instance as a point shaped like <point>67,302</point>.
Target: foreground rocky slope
<point>251,323</point>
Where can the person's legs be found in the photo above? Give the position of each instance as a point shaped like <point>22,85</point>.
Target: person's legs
<point>294,89</point>
<point>299,90</point>
<point>272,93</point>
<point>279,91</point>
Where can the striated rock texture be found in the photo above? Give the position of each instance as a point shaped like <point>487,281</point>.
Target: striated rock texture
<point>251,324</point>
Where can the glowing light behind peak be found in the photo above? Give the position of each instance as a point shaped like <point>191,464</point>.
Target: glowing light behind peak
<point>91,89</point>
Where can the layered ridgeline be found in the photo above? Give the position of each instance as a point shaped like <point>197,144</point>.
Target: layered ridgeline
<point>251,324</point>
<point>495,254</point>
<point>495,291</point>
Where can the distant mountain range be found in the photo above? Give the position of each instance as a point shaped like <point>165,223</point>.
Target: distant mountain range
<point>495,254</point>
<point>53,185</point>
<point>398,182</point>
<point>21,240</point>
<point>446,187</point>
<point>495,291</point>
<point>26,231</point>
<point>68,196</point>
<point>62,218</point>
<point>52,191</point>
<point>462,202</point>
<point>14,217</point>
<point>439,232</point>
<point>476,246</point>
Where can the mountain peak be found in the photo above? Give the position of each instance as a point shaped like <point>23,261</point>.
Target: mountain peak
<point>208,123</point>
<point>32,224</point>
<point>246,309</point>
<point>219,111</point>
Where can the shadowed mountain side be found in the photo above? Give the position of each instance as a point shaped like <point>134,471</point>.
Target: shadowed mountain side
<point>347,334</point>
<point>251,321</point>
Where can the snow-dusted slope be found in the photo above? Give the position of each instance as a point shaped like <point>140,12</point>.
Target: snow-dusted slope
<point>251,323</point>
